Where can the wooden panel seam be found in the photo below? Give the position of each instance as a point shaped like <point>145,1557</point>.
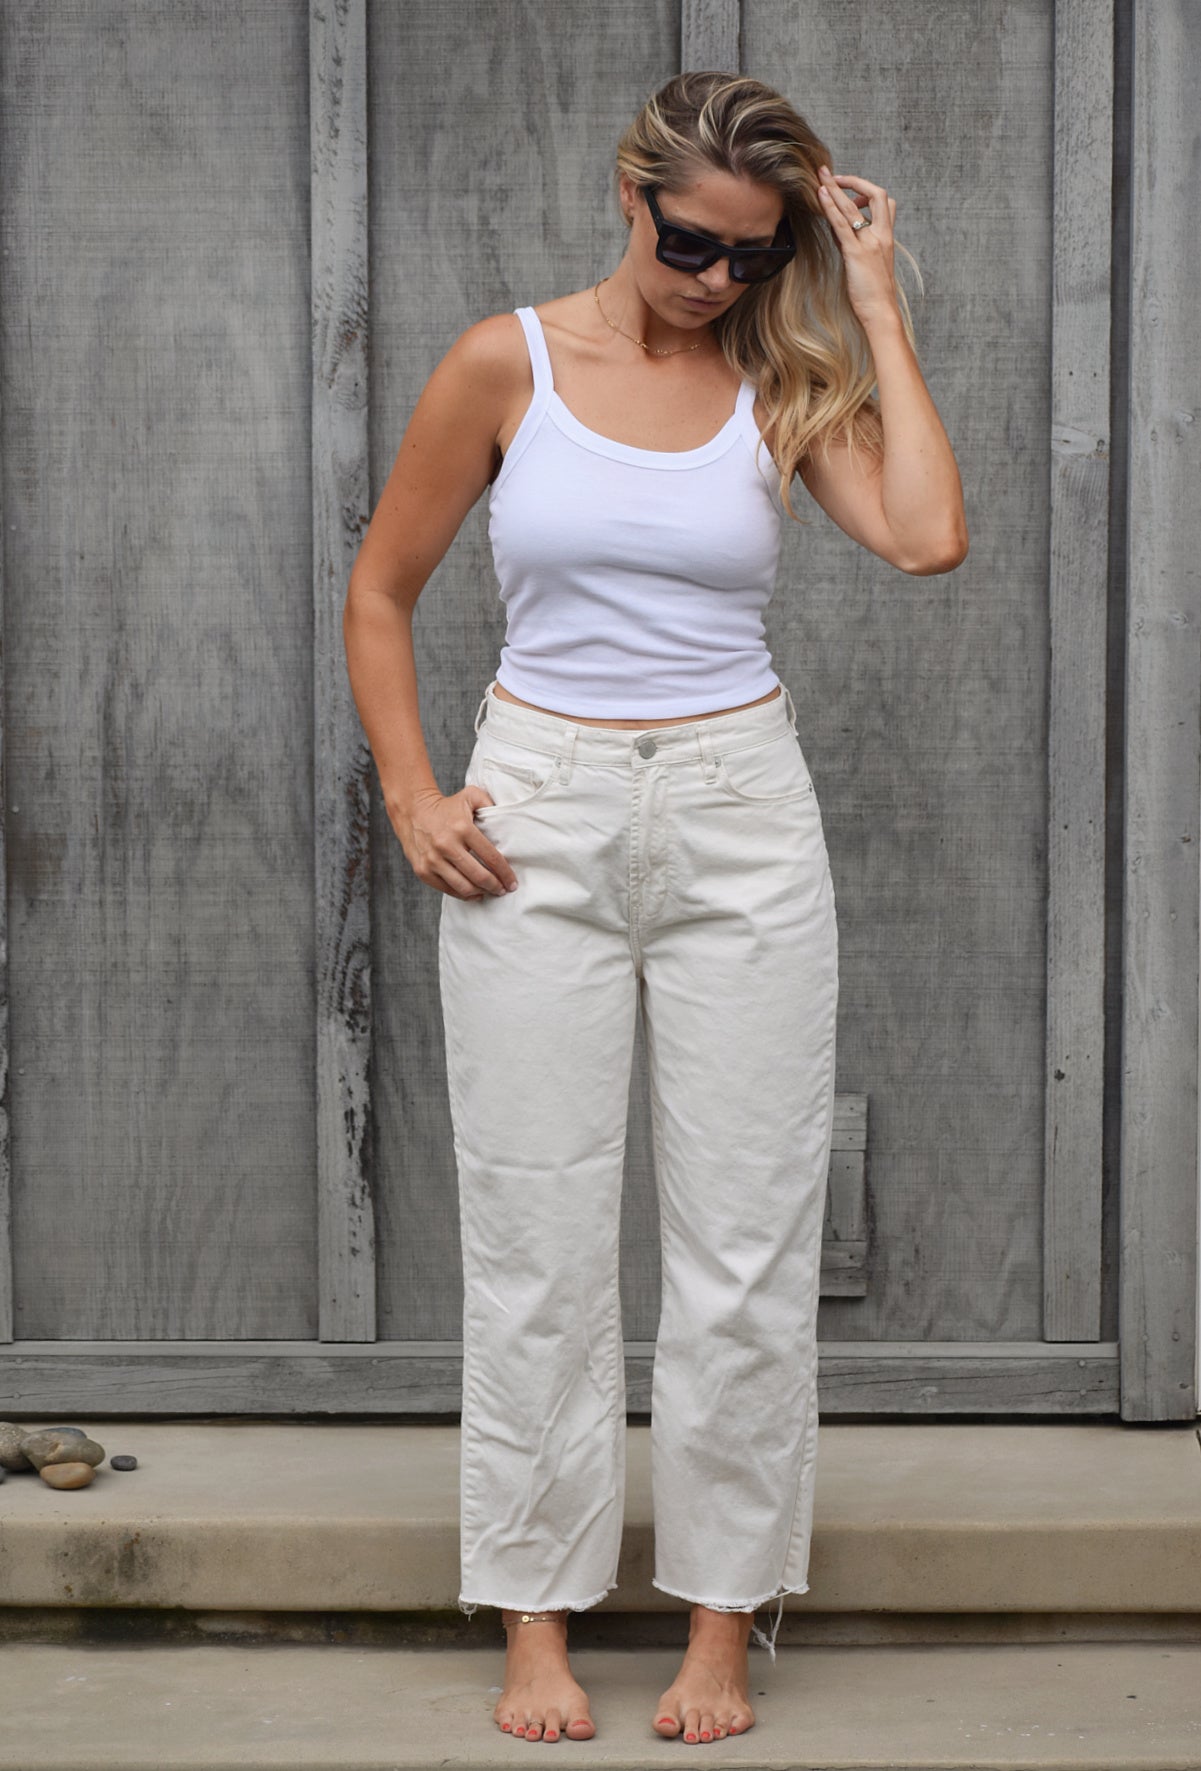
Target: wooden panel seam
<point>341,754</point>
<point>1080,454</point>
<point>7,1277</point>
<point>1163,729</point>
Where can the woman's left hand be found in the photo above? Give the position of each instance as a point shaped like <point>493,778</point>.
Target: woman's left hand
<point>867,252</point>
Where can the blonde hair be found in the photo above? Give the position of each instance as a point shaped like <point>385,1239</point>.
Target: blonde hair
<point>796,337</point>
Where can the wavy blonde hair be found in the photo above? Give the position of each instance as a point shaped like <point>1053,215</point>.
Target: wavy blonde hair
<point>796,337</point>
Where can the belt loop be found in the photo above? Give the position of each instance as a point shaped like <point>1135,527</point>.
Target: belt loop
<point>479,712</point>
<point>791,706</point>
<point>704,739</point>
<point>566,752</point>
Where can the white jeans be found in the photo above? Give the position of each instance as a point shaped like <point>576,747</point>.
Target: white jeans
<point>685,866</point>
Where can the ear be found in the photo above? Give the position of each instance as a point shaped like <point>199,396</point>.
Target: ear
<point>628,196</point>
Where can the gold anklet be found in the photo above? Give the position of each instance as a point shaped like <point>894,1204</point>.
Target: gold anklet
<point>528,1617</point>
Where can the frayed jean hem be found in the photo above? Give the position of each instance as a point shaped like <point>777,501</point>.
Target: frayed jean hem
<point>469,1606</point>
<point>757,1635</point>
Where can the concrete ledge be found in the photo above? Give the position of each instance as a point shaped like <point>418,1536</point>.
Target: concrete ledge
<point>1096,1517</point>
<point>1092,1708</point>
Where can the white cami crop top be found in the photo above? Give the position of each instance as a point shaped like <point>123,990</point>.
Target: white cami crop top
<point>634,580</point>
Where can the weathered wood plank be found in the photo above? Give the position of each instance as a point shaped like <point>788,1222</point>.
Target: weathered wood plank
<point>517,209</point>
<point>1080,386</point>
<point>156,365</point>
<point>341,755</point>
<point>281,1378</point>
<point>1163,722</point>
<point>922,700</point>
<point>6,1228</point>
<point>709,35</point>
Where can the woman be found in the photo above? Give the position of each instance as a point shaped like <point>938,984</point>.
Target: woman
<point>638,824</point>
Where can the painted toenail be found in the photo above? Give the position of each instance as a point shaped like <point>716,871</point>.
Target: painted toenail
<point>705,1734</point>
<point>690,1737</point>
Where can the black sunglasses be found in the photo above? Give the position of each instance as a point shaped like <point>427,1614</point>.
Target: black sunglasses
<point>686,251</point>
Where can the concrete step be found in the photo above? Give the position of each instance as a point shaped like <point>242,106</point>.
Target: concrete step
<point>1107,1707</point>
<point>927,1517</point>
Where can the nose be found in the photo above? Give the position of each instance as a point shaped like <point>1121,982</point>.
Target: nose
<point>717,278</point>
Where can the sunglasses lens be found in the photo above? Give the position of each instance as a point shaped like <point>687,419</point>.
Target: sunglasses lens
<point>684,251</point>
<point>756,267</point>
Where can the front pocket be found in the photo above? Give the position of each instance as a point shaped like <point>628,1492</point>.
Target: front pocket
<point>514,774</point>
<point>766,773</point>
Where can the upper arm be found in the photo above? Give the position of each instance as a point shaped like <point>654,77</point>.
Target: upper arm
<point>850,491</point>
<point>447,456</point>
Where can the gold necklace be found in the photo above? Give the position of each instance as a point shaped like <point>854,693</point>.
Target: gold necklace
<point>650,350</point>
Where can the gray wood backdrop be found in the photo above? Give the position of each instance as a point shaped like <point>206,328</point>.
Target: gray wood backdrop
<point>235,244</point>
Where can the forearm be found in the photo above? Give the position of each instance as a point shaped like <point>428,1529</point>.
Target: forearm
<point>921,491</point>
<point>377,632</point>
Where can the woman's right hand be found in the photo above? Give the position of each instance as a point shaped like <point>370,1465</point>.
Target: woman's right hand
<point>446,847</point>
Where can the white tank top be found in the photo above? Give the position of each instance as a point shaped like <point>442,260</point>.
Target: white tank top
<point>634,580</point>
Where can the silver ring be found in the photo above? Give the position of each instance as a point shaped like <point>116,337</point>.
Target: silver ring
<point>856,225</point>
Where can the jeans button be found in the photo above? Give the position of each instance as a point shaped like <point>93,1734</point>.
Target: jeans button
<point>646,747</point>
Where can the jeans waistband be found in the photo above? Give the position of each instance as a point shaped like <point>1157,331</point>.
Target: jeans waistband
<point>573,742</point>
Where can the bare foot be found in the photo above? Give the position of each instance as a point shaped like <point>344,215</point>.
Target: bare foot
<point>708,1697</point>
<point>541,1699</point>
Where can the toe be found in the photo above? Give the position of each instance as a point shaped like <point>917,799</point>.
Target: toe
<point>667,1723</point>
<point>706,1725</point>
<point>580,1727</point>
<point>692,1720</point>
<point>534,1731</point>
<point>554,1723</point>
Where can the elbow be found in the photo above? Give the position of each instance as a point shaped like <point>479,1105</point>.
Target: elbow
<point>361,592</point>
<point>950,552</point>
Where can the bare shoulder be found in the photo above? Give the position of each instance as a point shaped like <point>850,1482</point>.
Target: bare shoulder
<point>491,354</point>
<point>570,316</point>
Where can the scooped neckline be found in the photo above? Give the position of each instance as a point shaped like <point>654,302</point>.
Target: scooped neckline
<point>574,427</point>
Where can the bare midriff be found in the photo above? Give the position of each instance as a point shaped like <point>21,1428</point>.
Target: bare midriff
<point>626,725</point>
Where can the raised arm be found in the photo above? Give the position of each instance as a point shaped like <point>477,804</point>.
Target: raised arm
<point>907,508</point>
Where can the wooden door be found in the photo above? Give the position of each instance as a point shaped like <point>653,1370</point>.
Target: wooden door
<point>231,259</point>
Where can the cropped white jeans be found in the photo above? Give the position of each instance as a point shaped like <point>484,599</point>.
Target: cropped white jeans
<point>685,866</point>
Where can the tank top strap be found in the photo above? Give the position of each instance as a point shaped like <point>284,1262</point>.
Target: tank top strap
<point>744,408</point>
<point>744,411</point>
<point>544,379</point>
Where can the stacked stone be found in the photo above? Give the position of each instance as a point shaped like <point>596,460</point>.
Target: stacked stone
<point>64,1457</point>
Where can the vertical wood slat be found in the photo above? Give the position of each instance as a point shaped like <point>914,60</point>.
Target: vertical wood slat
<point>6,1238</point>
<point>1080,455</point>
<point>1163,715</point>
<point>341,756</point>
<point>709,35</point>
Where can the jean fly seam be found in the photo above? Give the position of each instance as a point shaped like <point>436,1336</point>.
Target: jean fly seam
<point>633,885</point>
